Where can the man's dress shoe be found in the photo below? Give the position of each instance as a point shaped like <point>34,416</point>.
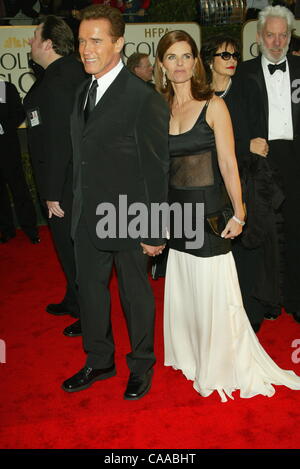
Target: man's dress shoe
<point>5,237</point>
<point>74,330</point>
<point>296,316</point>
<point>34,239</point>
<point>58,309</point>
<point>138,385</point>
<point>86,377</point>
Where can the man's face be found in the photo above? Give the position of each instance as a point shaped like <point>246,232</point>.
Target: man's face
<point>38,46</point>
<point>98,52</point>
<point>274,39</point>
<point>144,70</point>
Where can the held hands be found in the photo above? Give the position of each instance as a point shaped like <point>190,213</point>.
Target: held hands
<point>259,146</point>
<point>233,228</point>
<point>54,209</point>
<point>152,251</point>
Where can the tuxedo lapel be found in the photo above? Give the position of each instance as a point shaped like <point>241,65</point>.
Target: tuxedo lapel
<point>77,119</point>
<point>81,102</point>
<point>258,76</point>
<point>110,98</point>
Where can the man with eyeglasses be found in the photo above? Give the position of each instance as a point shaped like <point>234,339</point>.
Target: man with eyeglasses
<point>140,65</point>
<point>268,89</point>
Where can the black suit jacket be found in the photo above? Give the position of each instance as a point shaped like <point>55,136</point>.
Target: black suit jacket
<point>49,141</point>
<point>251,84</point>
<point>11,116</point>
<point>121,150</point>
<point>263,193</point>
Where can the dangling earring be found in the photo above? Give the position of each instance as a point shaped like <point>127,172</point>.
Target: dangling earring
<point>164,80</point>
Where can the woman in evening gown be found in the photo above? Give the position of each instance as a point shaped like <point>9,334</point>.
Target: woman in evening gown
<point>207,333</point>
<point>256,251</point>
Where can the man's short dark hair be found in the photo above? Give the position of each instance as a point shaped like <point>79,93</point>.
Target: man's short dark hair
<point>61,35</point>
<point>113,15</point>
<point>134,60</point>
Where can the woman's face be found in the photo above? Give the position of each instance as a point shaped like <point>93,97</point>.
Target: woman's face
<point>178,62</point>
<point>224,67</point>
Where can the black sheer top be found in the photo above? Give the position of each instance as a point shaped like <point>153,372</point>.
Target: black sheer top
<point>195,178</point>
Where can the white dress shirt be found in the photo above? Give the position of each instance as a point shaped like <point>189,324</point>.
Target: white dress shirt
<point>280,103</point>
<point>106,80</point>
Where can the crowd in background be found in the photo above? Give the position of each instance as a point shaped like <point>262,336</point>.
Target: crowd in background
<point>133,10</point>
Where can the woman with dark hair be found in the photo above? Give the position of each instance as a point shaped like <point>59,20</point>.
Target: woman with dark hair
<point>256,252</point>
<point>207,333</point>
<point>220,56</point>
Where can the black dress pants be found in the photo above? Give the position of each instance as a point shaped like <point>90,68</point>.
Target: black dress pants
<point>61,234</point>
<point>248,264</point>
<point>284,159</point>
<point>94,269</point>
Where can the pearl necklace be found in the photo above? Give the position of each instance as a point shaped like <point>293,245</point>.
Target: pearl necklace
<point>227,89</point>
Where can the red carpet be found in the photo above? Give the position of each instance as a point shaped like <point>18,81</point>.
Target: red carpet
<point>36,413</point>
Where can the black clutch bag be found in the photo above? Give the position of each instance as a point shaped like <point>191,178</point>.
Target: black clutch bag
<point>217,221</point>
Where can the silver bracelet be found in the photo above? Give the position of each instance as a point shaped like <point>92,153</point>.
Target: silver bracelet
<point>240,222</point>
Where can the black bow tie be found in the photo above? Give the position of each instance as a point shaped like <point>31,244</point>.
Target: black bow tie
<point>273,67</point>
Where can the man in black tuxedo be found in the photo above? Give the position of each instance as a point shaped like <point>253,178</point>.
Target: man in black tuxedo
<point>269,86</point>
<point>48,105</point>
<point>11,169</point>
<point>119,131</point>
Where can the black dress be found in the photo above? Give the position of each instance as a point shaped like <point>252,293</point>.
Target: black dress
<point>207,334</point>
<point>195,178</point>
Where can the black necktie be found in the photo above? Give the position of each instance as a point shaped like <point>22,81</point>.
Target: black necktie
<point>273,67</point>
<point>91,100</point>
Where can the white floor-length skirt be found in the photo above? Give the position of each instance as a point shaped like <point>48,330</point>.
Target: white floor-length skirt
<point>207,332</point>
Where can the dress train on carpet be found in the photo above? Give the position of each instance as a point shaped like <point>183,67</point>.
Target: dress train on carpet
<point>207,332</point>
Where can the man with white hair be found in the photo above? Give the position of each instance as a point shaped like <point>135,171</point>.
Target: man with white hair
<point>269,86</point>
